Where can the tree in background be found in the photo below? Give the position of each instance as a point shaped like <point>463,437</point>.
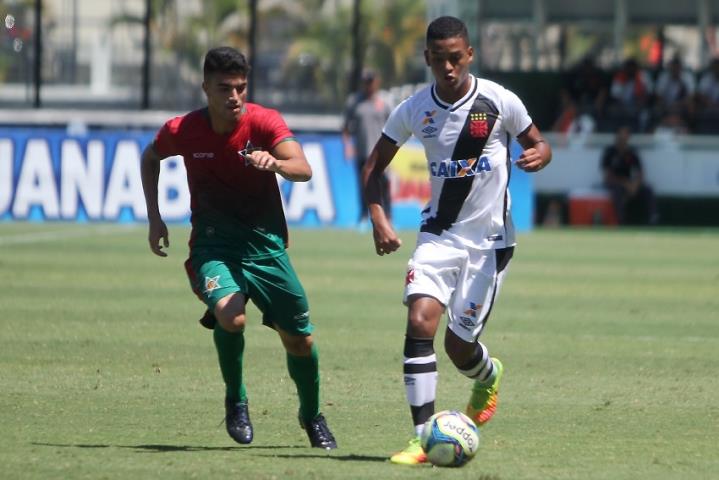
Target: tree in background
<point>391,41</point>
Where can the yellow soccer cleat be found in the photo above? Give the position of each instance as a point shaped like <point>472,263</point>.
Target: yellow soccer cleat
<point>483,402</point>
<point>412,455</point>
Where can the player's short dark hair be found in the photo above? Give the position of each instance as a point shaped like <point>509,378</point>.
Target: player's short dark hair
<point>446,27</point>
<point>225,60</point>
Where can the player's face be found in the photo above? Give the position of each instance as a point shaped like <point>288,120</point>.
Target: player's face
<point>449,59</point>
<point>226,95</point>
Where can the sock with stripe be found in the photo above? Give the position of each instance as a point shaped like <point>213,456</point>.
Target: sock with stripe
<point>420,379</point>
<point>480,368</point>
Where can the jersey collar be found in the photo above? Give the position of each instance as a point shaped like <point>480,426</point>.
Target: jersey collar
<point>458,103</point>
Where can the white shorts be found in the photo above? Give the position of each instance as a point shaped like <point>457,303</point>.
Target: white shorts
<point>465,281</point>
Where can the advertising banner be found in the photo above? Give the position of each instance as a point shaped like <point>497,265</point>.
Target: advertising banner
<point>49,175</point>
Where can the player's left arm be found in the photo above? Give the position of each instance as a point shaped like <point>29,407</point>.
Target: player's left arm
<point>286,159</point>
<point>537,152</point>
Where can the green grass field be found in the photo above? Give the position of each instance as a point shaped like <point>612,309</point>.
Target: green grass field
<point>610,341</point>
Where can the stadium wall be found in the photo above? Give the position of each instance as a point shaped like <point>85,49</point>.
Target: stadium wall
<point>683,171</point>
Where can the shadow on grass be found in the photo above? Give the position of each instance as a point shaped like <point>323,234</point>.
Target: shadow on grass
<point>328,456</point>
<point>156,448</point>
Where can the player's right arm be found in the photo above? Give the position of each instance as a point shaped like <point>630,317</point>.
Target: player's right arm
<point>150,172</point>
<point>385,238</point>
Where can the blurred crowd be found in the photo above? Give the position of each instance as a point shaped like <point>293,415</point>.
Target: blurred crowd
<point>674,99</point>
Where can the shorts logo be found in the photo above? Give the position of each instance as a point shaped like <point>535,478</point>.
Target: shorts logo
<point>472,310</point>
<point>203,155</point>
<point>212,283</point>
<point>300,316</point>
<point>469,319</point>
<point>466,323</point>
<point>478,126</point>
<point>410,277</point>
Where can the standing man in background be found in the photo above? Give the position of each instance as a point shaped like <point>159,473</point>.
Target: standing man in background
<point>466,238</point>
<point>233,151</point>
<point>365,115</point>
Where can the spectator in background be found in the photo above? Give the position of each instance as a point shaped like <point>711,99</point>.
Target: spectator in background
<point>583,97</point>
<point>588,87</point>
<point>633,199</point>
<point>566,121</point>
<point>631,91</point>
<point>708,100</point>
<point>365,115</point>
<point>674,97</point>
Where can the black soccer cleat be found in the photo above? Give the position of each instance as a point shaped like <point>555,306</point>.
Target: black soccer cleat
<point>208,320</point>
<point>319,433</point>
<point>237,421</point>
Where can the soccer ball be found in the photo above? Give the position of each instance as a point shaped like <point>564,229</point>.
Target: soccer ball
<point>450,439</point>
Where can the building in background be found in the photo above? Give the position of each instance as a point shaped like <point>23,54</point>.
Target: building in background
<point>105,54</point>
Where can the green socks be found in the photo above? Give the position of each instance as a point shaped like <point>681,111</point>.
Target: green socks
<point>306,374</point>
<point>230,347</point>
<point>304,371</point>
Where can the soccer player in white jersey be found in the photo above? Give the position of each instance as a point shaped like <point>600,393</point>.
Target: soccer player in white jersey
<point>466,238</point>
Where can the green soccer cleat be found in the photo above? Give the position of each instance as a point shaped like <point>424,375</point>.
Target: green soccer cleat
<point>412,455</point>
<point>483,402</point>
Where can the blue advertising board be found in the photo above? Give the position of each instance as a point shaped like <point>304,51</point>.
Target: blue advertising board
<point>47,174</point>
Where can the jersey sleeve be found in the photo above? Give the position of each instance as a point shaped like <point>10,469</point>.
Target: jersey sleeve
<point>165,144</point>
<point>274,128</point>
<point>516,117</point>
<point>398,128</point>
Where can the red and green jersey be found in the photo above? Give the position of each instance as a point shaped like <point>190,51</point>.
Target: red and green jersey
<point>233,204</point>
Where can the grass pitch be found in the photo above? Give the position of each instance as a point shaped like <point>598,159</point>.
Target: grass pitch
<point>610,341</point>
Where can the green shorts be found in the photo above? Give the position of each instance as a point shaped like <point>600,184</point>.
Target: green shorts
<point>270,283</point>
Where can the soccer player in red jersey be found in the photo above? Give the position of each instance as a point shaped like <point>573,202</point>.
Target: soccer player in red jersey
<point>232,152</point>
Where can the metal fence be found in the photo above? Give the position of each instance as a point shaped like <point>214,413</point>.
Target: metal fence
<point>147,54</point>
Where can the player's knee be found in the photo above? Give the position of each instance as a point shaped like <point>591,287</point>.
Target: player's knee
<point>230,312</point>
<point>231,322</point>
<point>420,325</point>
<point>298,345</point>
<point>423,316</point>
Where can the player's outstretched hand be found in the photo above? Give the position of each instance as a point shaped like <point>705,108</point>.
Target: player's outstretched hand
<point>158,231</point>
<point>385,239</point>
<point>531,160</point>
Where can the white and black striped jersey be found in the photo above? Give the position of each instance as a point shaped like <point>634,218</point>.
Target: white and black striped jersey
<point>467,150</point>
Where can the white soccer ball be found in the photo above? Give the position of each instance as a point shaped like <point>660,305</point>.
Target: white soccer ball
<point>450,439</point>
